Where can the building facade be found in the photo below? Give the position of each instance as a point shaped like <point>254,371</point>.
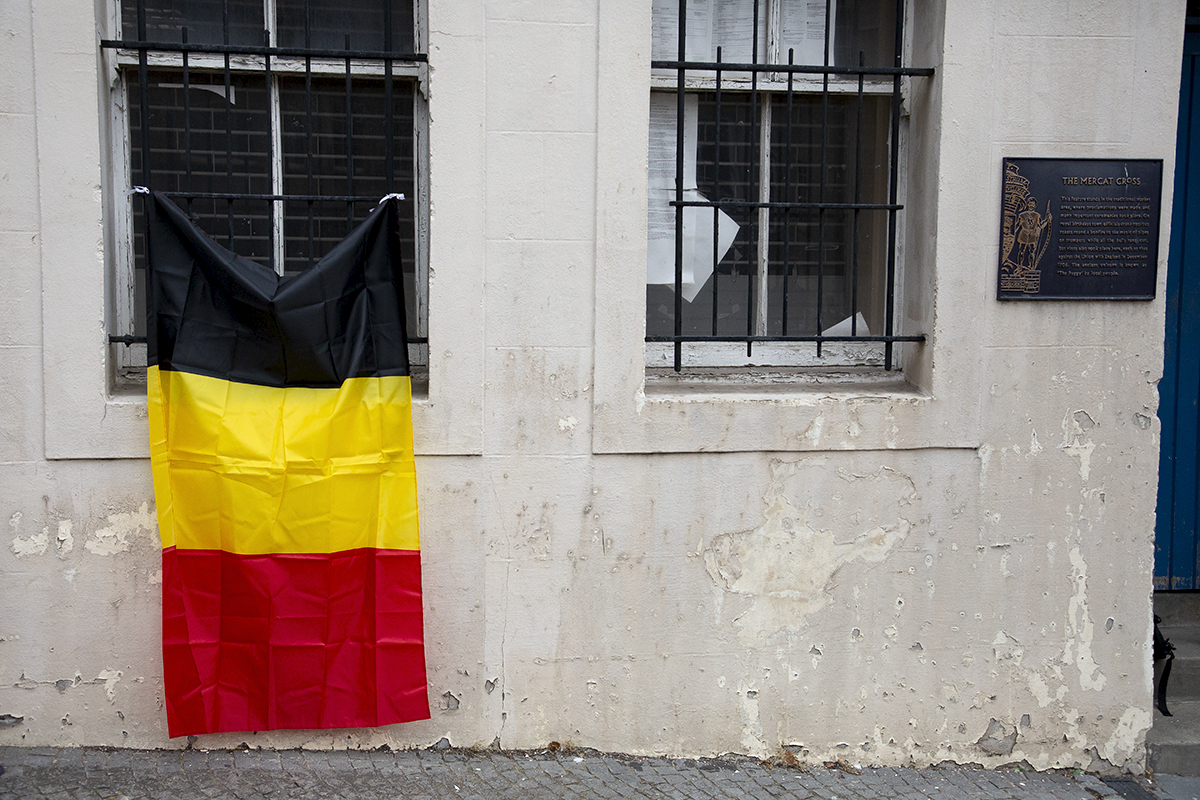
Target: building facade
<point>948,560</point>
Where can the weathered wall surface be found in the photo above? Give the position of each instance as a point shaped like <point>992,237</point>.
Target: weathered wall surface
<point>961,572</point>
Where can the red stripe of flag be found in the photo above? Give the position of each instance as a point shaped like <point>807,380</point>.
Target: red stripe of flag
<point>311,640</point>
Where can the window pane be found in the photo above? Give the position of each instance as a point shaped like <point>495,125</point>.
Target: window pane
<point>802,28</point>
<point>330,23</point>
<point>851,274</point>
<point>866,25</point>
<point>204,19</point>
<point>214,139</point>
<point>727,23</point>
<point>727,172</point>
<point>317,136</point>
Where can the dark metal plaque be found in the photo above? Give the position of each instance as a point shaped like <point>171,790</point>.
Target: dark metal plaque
<point>1079,228</point>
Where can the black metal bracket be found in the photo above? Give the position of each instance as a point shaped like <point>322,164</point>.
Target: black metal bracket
<point>1163,650</point>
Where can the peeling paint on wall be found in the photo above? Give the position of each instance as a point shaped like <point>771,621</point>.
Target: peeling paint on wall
<point>816,521</point>
<point>39,543</point>
<point>115,538</point>
<point>998,740</point>
<point>1040,689</point>
<point>1081,630</point>
<point>752,731</point>
<point>1125,739</point>
<point>111,678</point>
<point>1077,442</point>
<point>65,541</point>
<point>22,546</point>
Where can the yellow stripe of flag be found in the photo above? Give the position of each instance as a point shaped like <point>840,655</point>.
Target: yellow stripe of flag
<point>255,469</point>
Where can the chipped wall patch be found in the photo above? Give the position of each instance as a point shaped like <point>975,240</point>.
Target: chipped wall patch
<point>816,521</point>
<point>1039,687</point>
<point>22,546</point>
<point>1081,627</point>
<point>1007,648</point>
<point>34,545</point>
<point>111,678</point>
<point>115,538</point>
<point>1077,442</point>
<point>1125,741</point>
<point>813,432</point>
<point>998,739</point>
<point>752,731</point>
<point>65,542</point>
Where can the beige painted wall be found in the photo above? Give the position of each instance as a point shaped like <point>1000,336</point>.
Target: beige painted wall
<point>875,575</point>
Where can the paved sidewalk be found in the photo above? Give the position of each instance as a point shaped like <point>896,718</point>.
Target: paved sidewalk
<point>449,773</point>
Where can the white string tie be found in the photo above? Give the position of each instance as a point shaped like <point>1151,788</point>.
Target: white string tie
<point>386,197</point>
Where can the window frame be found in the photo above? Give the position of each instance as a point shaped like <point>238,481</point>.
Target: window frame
<point>932,402</point>
<point>127,350</point>
<point>85,415</point>
<point>779,76</point>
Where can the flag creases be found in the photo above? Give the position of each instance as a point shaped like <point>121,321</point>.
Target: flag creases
<point>281,446</point>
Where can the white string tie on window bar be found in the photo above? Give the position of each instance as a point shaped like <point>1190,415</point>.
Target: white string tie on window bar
<point>137,190</point>
<point>386,197</point>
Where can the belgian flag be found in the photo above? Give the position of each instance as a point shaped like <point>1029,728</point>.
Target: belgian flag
<point>281,445</point>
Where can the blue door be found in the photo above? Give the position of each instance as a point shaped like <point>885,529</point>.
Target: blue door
<point>1176,556</point>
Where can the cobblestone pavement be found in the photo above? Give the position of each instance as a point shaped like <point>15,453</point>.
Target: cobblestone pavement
<point>117,774</point>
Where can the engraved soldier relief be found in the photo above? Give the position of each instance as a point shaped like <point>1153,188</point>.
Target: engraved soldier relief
<point>1024,237</point>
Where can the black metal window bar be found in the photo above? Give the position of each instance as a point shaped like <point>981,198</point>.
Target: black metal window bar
<point>278,148</point>
<point>788,164</point>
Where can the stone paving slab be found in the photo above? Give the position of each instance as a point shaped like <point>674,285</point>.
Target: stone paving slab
<point>113,774</point>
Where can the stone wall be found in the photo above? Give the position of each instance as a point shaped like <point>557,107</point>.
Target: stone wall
<point>955,569</point>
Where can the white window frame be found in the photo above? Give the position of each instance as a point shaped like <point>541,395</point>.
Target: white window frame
<point>699,356</point>
<point>86,416</point>
<point>129,361</point>
<point>932,402</point>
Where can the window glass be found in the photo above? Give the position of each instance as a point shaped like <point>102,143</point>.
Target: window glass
<point>729,24</point>
<point>729,173</point>
<point>295,150</point>
<point>204,19</point>
<point>331,22</point>
<point>852,268</point>
<point>314,133</point>
<point>228,145</point>
<point>859,25</point>
<point>868,26</point>
<point>779,240</point>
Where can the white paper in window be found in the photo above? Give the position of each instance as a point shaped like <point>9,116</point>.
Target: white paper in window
<point>733,29</point>
<point>803,24</point>
<point>697,221</point>
<point>710,23</point>
<point>844,327</point>
<point>664,30</point>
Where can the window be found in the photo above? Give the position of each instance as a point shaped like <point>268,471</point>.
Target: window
<point>774,158</point>
<point>276,124</point>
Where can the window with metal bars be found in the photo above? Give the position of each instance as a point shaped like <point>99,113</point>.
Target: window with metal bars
<point>774,182</point>
<point>276,124</point>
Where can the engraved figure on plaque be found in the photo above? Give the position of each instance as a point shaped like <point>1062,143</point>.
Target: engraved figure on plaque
<point>1025,235</point>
